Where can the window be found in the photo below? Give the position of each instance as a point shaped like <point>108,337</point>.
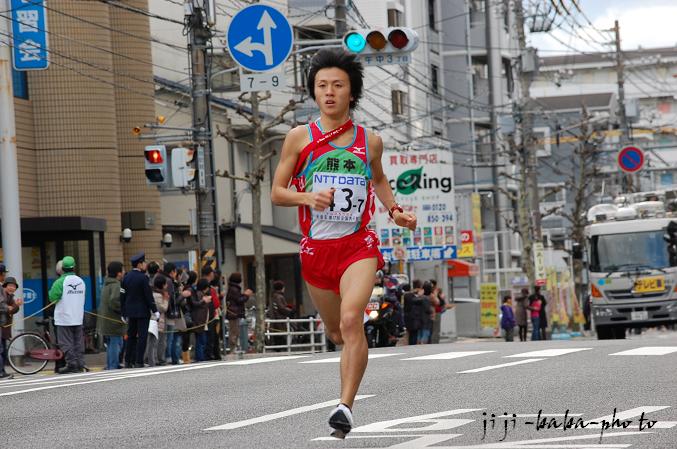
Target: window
<point>20,84</point>
<point>431,15</point>
<point>483,148</point>
<point>399,102</point>
<point>394,18</point>
<point>434,78</point>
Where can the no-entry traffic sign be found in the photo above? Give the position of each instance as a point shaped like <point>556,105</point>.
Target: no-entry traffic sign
<point>631,159</point>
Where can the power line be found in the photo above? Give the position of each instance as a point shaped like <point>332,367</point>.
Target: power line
<point>139,11</point>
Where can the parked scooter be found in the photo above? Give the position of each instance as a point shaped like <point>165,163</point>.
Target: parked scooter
<point>382,326</point>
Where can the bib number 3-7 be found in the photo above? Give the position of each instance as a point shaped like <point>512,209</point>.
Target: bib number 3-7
<point>350,196</point>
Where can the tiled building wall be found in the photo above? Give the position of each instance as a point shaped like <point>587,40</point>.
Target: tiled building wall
<point>76,154</point>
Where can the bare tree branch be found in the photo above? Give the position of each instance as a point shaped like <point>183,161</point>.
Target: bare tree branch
<point>231,138</point>
<point>273,139</point>
<point>225,174</point>
<point>279,118</point>
<point>508,193</point>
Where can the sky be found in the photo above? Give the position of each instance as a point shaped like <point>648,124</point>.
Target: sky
<point>643,23</point>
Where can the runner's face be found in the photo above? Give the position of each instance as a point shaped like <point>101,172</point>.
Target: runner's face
<point>332,91</point>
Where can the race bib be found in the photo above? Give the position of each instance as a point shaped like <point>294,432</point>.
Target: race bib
<point>350,196</point>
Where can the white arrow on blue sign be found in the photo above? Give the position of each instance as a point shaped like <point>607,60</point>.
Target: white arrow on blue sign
<point>260,38</point>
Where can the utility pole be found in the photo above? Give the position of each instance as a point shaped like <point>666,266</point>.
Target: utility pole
<point>340,18</point>
<point>199,35</point>
<point>620,79</point>
<point>9,180</point>
<point>495,79</point>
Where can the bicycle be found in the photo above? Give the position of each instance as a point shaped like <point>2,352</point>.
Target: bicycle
<point>29,352</point>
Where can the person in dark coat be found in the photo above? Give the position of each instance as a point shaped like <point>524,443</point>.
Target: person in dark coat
<point>412,303</point>
<point>543,316</point>
<point>110,326</point>
<point>521,313</point>
<point>137,304</point>
<point>235,308</point>
<point>278,310</point>
<point>8,307</point>
<point>199,310</point>
<point>507,318</point>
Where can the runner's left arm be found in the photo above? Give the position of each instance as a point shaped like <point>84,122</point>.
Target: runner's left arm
<point>381,185</point>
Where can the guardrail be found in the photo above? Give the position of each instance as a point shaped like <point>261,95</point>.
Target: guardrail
<point>300,334</point>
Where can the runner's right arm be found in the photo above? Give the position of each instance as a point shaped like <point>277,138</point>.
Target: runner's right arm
<point>280,194</point>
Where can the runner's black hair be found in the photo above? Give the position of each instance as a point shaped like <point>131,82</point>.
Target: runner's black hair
<point>332,57</point>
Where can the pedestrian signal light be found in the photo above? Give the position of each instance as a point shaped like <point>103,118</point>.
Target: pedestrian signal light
<point>381,46</point>
<point>156,164</point>
<point>183,172</point>
<point>136,131</point>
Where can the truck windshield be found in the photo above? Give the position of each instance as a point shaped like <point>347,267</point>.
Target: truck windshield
<point>620,252</point>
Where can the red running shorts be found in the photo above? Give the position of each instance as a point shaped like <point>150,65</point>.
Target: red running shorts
<point>323,262</point>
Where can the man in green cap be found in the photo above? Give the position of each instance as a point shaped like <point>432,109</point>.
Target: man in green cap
<point>68,292</point>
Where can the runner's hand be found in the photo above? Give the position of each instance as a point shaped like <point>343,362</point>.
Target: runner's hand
<point>405,220</point>
<point>321,200</point>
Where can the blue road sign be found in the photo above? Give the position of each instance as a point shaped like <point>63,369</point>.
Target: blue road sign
<point>260,38</point>
<point>29,31</point>
<point>630,159</point>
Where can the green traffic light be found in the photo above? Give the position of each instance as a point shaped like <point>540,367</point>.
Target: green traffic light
<point>355,42</point>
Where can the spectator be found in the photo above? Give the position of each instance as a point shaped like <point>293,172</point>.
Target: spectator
<point>137,304</point>
<point>235,309</point>
<point>9,305</point>
<point>278,310</point>
<point>174,321</point>
<point>68,292</point>
<point>112,329</point>
<point>152,270</point>
<point>543,317</point>
<point>188,291</point>
<point>161,298</point>
<point>507,318</point>
<point>212,351</point>
<point>412,310</point>
<point>535,308</point>
<point>521,313</point>
<point>427,314</point>
<point>199,310</point>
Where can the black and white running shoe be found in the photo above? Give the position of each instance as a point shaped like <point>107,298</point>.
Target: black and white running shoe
<point>341,420</point>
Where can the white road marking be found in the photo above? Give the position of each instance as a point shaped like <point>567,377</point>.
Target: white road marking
<point>649,350</point>
<point>549,352</point>
<point>130,374</point>
<point>274,416</point>
<point>56,378</point>
<point>433,422</point>
<point>449,355</point>
<point>338,359</point>
<point>503,365</point>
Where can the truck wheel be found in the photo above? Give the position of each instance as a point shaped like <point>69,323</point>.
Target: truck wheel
<point>619,332</point>
<point>604,332</point>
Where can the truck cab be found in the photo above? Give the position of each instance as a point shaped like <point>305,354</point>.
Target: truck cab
<point>633,275</point>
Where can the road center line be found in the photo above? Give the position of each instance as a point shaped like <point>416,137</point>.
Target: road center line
<point>338,359</point>
<point>649,350</point>
<point>549,352</point>
<point>503,365</point>
<point>449,355</point>
<point>274,416</point>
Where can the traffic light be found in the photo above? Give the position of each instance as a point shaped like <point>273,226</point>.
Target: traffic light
<point>182,170</point>
<point>381,46</point>
<point>156,165</point>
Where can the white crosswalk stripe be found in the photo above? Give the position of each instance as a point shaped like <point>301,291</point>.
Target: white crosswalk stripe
<point>549,352</point>
<point>503,365</point>
<point>449,355</point>
<point>338,359</point>
<point>649,350</point>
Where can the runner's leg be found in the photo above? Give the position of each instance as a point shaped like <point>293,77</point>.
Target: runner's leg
<point>328,303</point>
<point>357,284</point>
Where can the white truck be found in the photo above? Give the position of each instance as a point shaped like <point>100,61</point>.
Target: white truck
<point>633,276</point>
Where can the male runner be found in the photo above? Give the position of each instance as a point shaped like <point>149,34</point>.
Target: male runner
<point>335,186</point>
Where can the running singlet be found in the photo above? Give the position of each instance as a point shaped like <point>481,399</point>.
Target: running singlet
<point>345,169</point>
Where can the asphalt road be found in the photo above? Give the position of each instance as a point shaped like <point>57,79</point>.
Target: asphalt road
<point>439,396</point>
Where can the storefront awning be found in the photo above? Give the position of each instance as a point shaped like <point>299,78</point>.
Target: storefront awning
<point>461,268</point>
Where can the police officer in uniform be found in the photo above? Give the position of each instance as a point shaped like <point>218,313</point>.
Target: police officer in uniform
<point>137,304</point>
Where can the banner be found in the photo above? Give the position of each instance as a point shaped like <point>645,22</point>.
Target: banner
<point>423,184</point>
<point>489,306</point>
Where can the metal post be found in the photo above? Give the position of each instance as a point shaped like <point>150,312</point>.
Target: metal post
<point>9,180</point>
<point>340,18</point>
<point>288,337</point>
<point>620,79</point>
<point>199,44</point>
<point>312,335</point>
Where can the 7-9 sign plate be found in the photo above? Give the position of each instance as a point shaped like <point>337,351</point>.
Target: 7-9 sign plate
<point>255,82</point>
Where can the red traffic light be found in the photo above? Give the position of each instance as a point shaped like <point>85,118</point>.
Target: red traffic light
<point>398,39</point>
<point>154,156</point>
